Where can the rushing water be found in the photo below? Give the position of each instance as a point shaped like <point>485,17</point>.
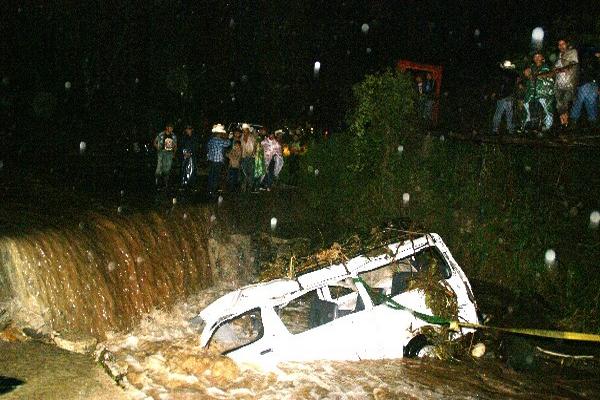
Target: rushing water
<point>164,360</point>
<point>106,271</point>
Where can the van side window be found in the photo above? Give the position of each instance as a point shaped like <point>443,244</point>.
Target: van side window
<point>238,332</point>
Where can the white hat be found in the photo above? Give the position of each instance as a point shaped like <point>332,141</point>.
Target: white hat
<point>218,128</point>
<point>245,126</point>
<point>507,64</point>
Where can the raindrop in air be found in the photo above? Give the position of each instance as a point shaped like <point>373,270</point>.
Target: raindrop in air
<point>552,57</point>
<point>5,81</point>
<point>310,169</point>
<point>368,50</point>
<point>317,172</point>
<point>477,32</point>
<point>122,193</point>
<point>119,209</point>
<point>365,28</point>
<point>220,200</point>
<point>232,84</point>
<point>213,218</point>
<point>442,138</point>
<point>185,215</point>
<point>111,266</point>
<point>311,108</point>
<point>82,147</point>
<point>174,200</point>
<point>273,223</point>
<point>527,168</point>
<point>405,198</point>
<point>317,68</point>
<point>139,260</point>
<point>1,165</point>
<point>594,219</point>
<point>67,85</point>
<point>232,23</point>
<point>137,80</point>
<point>233,99</point>
<point>244,78</point>
<point>400,148</point>
<point>136,147</point>
<point>550,257</point>
<point>537,35</point>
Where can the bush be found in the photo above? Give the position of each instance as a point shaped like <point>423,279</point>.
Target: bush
<point>498,208</point>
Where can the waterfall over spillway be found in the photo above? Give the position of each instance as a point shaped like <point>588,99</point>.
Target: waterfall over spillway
<point>103,273</point>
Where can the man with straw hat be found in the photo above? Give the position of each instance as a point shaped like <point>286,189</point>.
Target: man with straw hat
<point>215,147</point>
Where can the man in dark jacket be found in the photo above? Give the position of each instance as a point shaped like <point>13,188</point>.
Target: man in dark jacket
<point>189,153</point>
<point>503,94</point>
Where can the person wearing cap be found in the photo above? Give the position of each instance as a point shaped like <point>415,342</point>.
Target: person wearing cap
<point>165,144</point>
<point>189,151</point>
<point>248,145</point>
<point>215,147</point>
<point>505,88</point>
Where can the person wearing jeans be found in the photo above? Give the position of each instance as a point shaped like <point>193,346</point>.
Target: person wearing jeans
<point>215,157</point>
<point>587,92</point>
<point>540,88</point>
<point>504,94</point>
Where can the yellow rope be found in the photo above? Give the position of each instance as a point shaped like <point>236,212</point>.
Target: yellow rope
<point>585,337</point>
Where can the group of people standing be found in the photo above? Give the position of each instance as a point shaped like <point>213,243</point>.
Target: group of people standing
<point>567,88</point>
<point>254,158</point>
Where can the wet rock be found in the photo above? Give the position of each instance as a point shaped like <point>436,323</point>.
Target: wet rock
<point>117,369</point>
<point>37,335</point>
<point>75,343</point>
<point>12,334</point>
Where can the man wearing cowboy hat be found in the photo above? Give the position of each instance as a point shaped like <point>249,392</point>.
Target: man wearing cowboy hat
<point>215,147</point>
<point>503,94</point>
<point>248,142</point>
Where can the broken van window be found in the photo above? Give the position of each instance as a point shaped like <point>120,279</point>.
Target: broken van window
<point>239,331</point>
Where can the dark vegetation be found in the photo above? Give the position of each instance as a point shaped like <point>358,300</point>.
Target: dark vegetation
<point>499,208</point>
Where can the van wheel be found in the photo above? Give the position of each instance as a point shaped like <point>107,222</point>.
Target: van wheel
<point>415,345</point>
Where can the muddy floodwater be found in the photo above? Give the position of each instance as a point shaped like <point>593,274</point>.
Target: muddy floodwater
<point>164,361</point>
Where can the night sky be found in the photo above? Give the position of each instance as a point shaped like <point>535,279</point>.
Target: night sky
<point>126,68</point>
